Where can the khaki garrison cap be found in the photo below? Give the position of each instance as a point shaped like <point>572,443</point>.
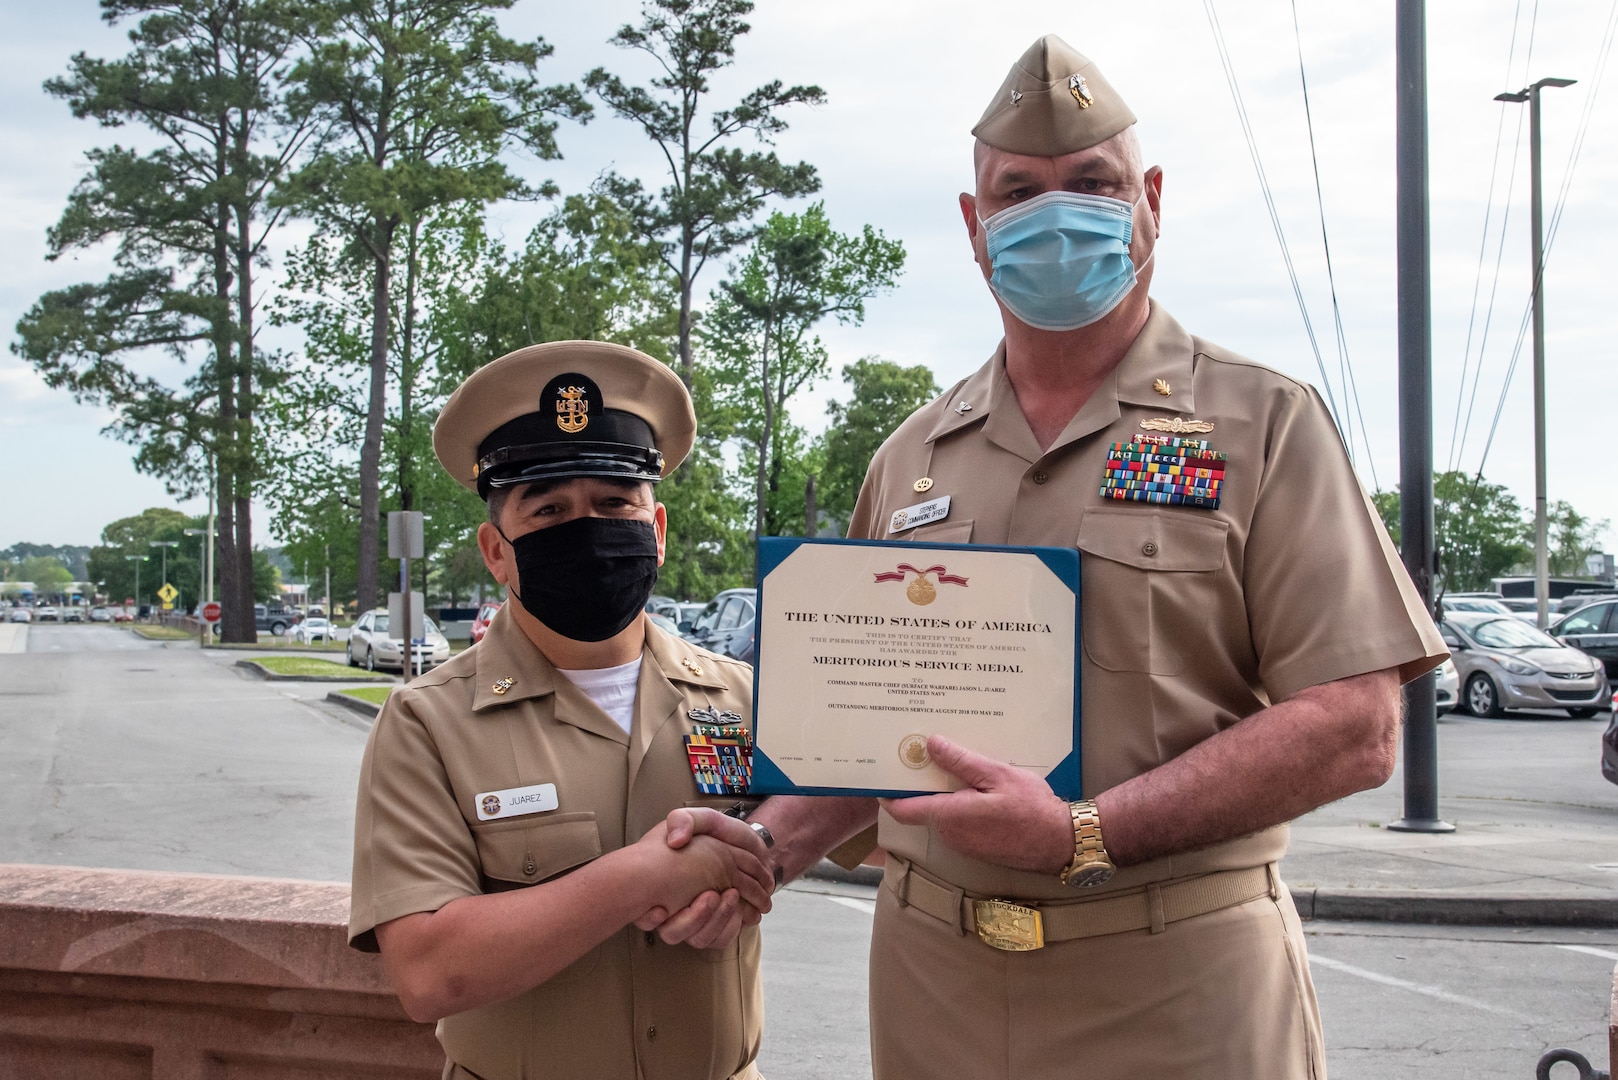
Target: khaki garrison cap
<point>565,409</point>
<point>1053,102</point>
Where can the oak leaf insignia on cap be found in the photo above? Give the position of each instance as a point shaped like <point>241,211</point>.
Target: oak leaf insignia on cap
<point>1054,101</point>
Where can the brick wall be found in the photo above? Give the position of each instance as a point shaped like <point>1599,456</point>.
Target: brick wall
<point>108,975</point>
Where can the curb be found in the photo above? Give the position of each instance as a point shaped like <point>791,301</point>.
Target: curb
<point>365,708</point>
<point>271,676</point>
<point>1365,905</point>
<point>1368,905</point>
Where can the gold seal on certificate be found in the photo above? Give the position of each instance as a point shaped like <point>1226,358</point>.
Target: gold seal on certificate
<point>866,648</point>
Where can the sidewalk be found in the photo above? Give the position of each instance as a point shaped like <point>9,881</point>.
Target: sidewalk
<point>1536,840</point>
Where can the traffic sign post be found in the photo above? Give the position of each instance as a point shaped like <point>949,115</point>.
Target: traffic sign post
<point>167,594</point>
<point>211,612</point>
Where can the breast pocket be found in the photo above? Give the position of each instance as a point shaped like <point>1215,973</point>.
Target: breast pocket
<point>527,851</point>
<point>945,532</point>
<point>1142,579</point>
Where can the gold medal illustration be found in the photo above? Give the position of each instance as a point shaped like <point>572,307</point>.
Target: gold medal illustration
<point>913,752</point>
<point>921,591</point>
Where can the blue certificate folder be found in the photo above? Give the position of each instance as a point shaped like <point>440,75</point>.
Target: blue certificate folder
<point>768,778</point>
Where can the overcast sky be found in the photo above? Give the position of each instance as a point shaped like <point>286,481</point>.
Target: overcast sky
<point>906,80</point>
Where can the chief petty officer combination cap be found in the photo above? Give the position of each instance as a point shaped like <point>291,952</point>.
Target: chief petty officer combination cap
<point>1054,102</point>
<point>565,409</point>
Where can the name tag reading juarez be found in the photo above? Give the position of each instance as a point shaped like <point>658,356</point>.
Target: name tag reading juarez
<point>867,647</point>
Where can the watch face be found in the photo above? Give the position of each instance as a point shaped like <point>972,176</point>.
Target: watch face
<point>1091,874</point>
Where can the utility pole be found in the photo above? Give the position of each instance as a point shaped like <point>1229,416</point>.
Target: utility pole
<point>137,560</point>
<point>1542,561</point>
<point>1416,403</point>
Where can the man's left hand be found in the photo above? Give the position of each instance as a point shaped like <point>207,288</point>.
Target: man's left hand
<point>1004,815</point>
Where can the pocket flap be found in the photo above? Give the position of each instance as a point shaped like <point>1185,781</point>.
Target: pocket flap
<point>945,532</point>
<point>1153,540</point>
<point>535,851</point>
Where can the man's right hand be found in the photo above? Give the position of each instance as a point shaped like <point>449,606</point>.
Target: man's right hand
<point>703,856</point>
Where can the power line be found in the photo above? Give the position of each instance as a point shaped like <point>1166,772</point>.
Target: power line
<point>1457,436</point>
<point>1604,52</point>
<point>1269,204</point>
<point>1345,365</point>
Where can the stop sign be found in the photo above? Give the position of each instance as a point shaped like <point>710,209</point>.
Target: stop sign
<point>211,611</point>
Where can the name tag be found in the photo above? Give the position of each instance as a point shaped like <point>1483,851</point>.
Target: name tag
<point>920,514</point>
<point>513,802</point>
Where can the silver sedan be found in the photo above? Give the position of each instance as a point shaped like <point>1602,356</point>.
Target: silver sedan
<point>1506,664</point>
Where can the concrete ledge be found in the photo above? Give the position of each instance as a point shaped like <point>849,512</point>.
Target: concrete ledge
<point>364,708</point>
<point>274,676</point>
<point>137,974</point>
<point>1376,905</point>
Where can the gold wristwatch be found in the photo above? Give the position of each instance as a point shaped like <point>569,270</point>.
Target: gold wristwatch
<point>1090,865</point>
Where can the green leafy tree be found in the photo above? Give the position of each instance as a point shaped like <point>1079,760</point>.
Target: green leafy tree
<point>1572,539</point>
<point>109,563</point>
<point>714,188</point>
<point>882,395</point>
<point>1479,529</point>
<point>420,101</point>
<point>797,272</point>
<point>189,223</point>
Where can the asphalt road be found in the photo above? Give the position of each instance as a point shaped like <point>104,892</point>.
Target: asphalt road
<point>115,751</point>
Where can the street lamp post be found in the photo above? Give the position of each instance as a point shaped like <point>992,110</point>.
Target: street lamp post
<point>204,593</point>
<point>137,560</point>
<point>1541,548</point>
<point>165,545</point>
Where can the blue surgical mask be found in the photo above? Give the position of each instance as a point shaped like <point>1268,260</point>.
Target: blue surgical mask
<point>1061,260</point>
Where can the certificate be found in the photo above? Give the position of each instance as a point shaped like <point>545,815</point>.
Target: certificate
<point>865,648</point>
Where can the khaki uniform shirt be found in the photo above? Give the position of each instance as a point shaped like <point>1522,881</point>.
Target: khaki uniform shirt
<point>633,1008</point>
<point>1192,619</point>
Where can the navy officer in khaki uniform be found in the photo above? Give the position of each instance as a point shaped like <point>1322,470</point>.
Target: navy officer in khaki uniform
<point>1246,627</point>
<point>529,810</point>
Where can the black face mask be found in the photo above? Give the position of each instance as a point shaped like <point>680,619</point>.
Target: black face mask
<point>587,578</point>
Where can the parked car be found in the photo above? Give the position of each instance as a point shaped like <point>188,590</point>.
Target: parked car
<point>664,623</point>
<point>73,613</point>
<point>21,614</point>
<point>370,646</point>
<point>314,628</point>
<point>100,614</point>
<point>48,614</point>
<point>480,625</point>
<point>277,620</point>
<point>1609,751</point>
<point>123,614</point>
<point>1593,628</point>
<point>1504,663</point>
<point>686,614</point>
<point>1449,686</point>
<point>1525,608</point>
<point>1574,601</point>
<point>663,605</point>
<point>726,624</point>
<point>1474,603</point>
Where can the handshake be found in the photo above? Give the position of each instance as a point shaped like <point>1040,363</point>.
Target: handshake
<point>714,875</point>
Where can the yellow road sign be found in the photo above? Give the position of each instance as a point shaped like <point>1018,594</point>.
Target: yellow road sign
<point>167,593</point>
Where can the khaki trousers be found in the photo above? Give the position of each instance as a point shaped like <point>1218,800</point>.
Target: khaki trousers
<point>1221,996</point>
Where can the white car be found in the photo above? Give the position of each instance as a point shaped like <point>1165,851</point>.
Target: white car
<point>314,628</point>
<point>21,614</point>
<point>1449,686</point>
<point>370,646</point>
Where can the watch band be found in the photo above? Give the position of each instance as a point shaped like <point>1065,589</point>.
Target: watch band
<point>1088,849</point>
<point>763,833</point>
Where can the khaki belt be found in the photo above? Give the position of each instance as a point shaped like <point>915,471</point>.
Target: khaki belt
<point>1022,925</point>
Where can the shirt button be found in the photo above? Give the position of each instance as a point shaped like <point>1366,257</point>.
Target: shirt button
<point>1041,477</point>
<point>651,1032</point>
<point>1149,548</point>
<point>651,937</point>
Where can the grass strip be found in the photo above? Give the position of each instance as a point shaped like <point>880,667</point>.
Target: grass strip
<point>308,665</point>
<point>376,695</point>
<point>164,633</point>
